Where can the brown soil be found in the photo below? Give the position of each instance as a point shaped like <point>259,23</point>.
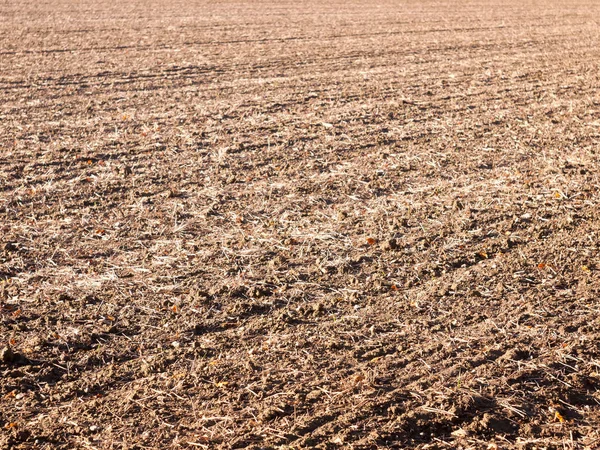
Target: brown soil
<point>299,224</point>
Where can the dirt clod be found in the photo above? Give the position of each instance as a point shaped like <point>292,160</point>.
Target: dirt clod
<point>11,247</point>
<point>7,356</point>
<point>389,244</point>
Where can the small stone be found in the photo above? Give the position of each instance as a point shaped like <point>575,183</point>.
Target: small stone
<point>314,395</point>
<point>460,433</point>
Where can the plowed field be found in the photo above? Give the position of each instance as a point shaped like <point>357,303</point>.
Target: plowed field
<point>307,224</point>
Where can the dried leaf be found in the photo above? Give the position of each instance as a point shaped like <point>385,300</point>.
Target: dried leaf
<point>358,378</point>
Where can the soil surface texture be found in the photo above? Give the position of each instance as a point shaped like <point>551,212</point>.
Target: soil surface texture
<point>299,224</point>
